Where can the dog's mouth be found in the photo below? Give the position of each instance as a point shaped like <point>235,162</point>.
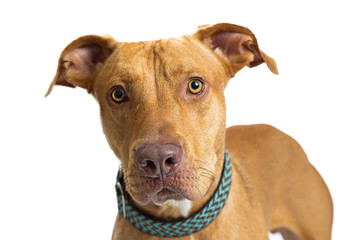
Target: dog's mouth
<point>165,195</point>
<point>159,191</point>
<point>156,191</point>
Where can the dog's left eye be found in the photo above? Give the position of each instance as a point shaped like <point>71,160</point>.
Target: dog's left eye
<point>195,86</point>
<point>118,95</point>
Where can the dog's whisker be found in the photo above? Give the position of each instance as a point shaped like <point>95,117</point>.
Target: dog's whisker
<point>208,177</point>
<point>204,169</point>
<point>198,191</point>
<point>203,162</point>
<point>207,173</point>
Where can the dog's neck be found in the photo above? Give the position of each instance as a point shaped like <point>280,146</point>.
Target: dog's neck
<point>173,210</point>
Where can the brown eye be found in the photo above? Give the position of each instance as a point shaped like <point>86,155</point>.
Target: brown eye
<point>195,86</point>
<point>118,94</point>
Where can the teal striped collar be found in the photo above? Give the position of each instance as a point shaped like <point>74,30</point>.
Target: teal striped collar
<point>182,227</point>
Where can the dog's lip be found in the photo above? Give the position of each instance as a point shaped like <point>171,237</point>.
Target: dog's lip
<point>159,190</point>
<point>166,194</point>
<point>159,194</point>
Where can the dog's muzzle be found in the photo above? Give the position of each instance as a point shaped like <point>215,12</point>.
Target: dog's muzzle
<point>183,227</point>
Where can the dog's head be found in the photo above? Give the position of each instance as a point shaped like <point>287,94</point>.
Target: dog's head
<point>162,103</point>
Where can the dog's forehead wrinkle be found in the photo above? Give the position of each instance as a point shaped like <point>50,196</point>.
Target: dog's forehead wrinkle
<point>157,63</point>
<point>162,82</point>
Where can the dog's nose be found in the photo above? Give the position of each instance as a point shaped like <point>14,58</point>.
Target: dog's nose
<point>159,160</point>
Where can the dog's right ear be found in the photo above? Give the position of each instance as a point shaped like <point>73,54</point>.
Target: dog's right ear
<point>80,60</point>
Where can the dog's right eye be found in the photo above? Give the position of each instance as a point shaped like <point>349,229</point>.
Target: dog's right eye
<point>118,94</point>
<point>195,86</point>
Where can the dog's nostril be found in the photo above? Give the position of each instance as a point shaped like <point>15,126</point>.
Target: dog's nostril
<point>150,164</point>
<point>146,163</point>
<point>169,160</point>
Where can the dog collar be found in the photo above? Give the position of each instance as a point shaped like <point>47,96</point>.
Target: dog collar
<point>185,226</point>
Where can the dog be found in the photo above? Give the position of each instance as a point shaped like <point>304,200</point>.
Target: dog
<point>184,175</point>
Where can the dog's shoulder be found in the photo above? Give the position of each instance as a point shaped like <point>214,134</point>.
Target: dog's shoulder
<point>252,133</point>
<point>257,141</point>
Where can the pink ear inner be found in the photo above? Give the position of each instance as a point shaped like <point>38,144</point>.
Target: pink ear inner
<point>229,43</point>
<point>84,59</point>
<point>79,64</point>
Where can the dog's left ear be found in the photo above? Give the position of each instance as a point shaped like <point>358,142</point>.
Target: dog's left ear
<point>235,45</point>
<point>80,61</point>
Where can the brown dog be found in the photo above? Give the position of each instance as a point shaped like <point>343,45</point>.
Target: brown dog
<point>163,113</point>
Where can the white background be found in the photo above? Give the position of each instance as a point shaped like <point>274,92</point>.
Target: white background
<point>56,170</point>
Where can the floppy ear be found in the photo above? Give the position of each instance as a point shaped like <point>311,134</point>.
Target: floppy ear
<point>80,60</point>
<point>234,44</point>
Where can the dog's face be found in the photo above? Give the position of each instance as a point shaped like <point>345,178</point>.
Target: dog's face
<point>170,102</point>
<point>162,104</point>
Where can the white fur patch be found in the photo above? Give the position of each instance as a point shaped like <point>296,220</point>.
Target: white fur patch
<point>275,236</point>
<point>183,205</point>
<point>218,51</point>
